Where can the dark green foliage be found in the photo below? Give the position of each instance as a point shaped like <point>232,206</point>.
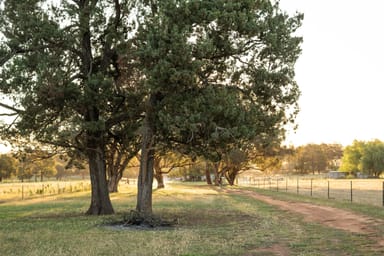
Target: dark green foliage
<point>214,75</point>
<point>219,75</point>
<point>61,66</point>
<point>222,72</point>
<point>364,157</point>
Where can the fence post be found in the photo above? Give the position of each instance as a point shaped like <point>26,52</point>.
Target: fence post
<point>311,186</point>
<point>351,193</point>
<point>383,193</point>
<point>328,189</point>
<point>297,186</point>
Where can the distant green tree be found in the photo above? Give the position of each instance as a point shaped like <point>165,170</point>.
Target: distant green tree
<point>35,162</point>
<point>311,159</point>
<point>61,172</point>
<point>43,167</point>
<point>7,166</point>
<point>271,161</point>
<point>351,160</point>
<point>333,154</point>
<point>372,160</point>
<point>24,161</point>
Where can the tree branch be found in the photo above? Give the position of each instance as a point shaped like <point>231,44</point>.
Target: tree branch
<point>17,111</point>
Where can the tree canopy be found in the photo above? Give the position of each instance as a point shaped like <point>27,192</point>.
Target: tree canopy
<point>218,75</point>
<point>364,157</point>
<point>200,77</point>
<point>312,158</point>
<point>61,67</point>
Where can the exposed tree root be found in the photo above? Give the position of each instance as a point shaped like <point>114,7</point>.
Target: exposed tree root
<point>135,218</point>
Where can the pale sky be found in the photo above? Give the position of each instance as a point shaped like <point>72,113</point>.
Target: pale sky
<point>340,72</point>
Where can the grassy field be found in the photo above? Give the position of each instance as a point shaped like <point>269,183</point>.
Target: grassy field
<point>210,222</point>
<point>27,190</point>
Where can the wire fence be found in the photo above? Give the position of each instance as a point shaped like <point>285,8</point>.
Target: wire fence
<point>23,191</point>
<point>365,191</point>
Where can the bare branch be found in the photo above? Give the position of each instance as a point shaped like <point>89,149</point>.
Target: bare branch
<point>17,111</point>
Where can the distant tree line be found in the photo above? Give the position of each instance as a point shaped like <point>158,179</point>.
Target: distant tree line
<point>38,166</point>
<point>313,159</point>
<point>361,159</point>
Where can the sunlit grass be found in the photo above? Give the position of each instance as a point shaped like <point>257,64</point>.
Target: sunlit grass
<point>38,190</point>
<point>210,222</point>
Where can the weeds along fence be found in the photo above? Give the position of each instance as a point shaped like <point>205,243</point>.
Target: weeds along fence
<point>365,191</point>
<point>22,191</point>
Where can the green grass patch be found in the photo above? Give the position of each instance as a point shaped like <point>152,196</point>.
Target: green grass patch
<point>210,222</point>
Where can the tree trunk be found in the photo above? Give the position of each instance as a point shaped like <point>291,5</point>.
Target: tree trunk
<point>231,174</point>
<point>145,179</point>
<point>208,174</point>
<point>217,179</point>
<point>158,172</point>
<point>113,182</point>
<point>100,201</point>
<point>160,180</point>
<point>116,161</point>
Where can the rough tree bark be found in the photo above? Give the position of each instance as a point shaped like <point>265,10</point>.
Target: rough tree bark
<point>113,182</point>
<point>208,174</point>
<point>100,201</point>
<point>231,174</point>
<point>160,180</point>
<point>217,174</point>
<point>145,179</point>
<point>158,174</point>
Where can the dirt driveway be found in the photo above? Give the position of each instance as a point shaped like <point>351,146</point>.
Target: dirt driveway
<point>328,216</point>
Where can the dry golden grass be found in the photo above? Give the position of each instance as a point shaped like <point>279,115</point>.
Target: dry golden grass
<point>365,191</point>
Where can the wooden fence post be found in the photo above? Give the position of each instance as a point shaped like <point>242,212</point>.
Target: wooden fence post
<point>311,186</point>
<point>297,186</point>
<point>286,184</point>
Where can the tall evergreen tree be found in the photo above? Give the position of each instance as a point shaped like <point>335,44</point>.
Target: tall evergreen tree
<point>61,67</point>
<point>217,74</point>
